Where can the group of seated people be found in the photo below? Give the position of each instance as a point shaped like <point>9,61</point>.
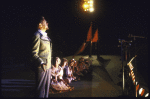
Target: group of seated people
<point>64,72</point>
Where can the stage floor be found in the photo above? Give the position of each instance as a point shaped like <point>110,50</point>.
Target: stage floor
<point>101,82</point>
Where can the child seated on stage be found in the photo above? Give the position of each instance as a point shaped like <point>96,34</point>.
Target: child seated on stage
<point>82,66</point>
<point>69,72</point>
<point>57,82</point>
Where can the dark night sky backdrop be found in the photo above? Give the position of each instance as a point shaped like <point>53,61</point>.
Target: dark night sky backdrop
<point>69,24</point>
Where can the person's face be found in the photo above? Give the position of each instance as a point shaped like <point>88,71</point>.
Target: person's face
<point>65,63</point>
<point>72,63</point>
<point>46,25</point>
<point>58,62</point>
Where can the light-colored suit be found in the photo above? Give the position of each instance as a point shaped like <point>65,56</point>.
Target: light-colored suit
<point>41,50</point>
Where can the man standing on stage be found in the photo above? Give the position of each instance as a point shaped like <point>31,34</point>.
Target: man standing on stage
<point>41,54</point>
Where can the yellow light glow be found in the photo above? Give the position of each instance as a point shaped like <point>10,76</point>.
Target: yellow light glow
<point>85,6</point>
<point>91,5</point>
<point>91,1</point>
<point>129,74</point>
<point>88,5</point>
<point>91,9</point>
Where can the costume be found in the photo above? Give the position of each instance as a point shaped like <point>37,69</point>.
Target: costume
<point>57,82</point>
<point>41,53</point>
<point>69,74</point>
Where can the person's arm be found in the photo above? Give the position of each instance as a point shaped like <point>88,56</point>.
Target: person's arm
<point>53,71</point>
<point>35,49</point>
<point>59,72</point>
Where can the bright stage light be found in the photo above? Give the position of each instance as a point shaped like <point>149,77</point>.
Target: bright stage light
<point>91,9</point>
<point>88,5</point>
<point>91,2</point>
<point>85,6</point>
<point>146,95</point>
<point>91,5</point>
<point>141,91</point>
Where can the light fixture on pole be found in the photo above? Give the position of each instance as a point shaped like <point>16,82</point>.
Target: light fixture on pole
<point>88,5</point>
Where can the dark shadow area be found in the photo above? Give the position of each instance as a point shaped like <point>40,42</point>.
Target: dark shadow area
<point>103,62</point>
<point>16,87</point>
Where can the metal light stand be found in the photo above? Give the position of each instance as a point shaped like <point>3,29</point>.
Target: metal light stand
<point>127,45</point>
<point>130,35</point>
<point>90,54</point>
<point>123,75</point>
<point>135,69</point>
<point>121,41</point>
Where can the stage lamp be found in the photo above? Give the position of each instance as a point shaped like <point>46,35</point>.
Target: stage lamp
<point>91,1</point>
<point>91,9</point>
<point>147,94</point>
<point>141,91</point>
<point>85,6</point>
<point>88,5</point>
